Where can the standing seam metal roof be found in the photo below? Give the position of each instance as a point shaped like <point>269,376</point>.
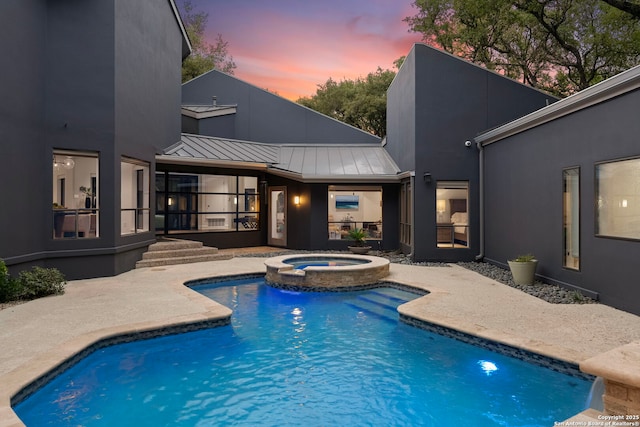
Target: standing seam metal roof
<point>363,161</point>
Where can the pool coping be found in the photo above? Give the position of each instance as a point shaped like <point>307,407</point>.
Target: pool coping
<point>17,384</point>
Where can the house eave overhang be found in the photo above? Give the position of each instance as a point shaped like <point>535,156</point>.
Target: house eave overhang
<point>231,164</point>
<point>334,179</point>
<point>620,84</point>
<point>205,115</point>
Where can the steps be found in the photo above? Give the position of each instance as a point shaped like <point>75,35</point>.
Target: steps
<point>381,304</point>
<point>175,251</point>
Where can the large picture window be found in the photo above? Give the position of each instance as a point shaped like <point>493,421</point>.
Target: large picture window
<point>134,196</point>
<point>452,223</point>
<point>76,201</point>
<point>618,199</point>
<point>189,202</point>
<point>355,207</point>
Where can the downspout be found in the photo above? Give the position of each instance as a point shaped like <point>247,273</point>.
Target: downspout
<point>412,183</point>
<point>480,256</point>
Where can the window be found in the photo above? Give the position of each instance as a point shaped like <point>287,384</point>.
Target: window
<point>405,212</point>
<point>618,199</point>
<point>452,223</point>
<point>571,217</point>
<point>75,194</point>
<point>354,207</point>
<point>134,196</point>
<point>206,202</point>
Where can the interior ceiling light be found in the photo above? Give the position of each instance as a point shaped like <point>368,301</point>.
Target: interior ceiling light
<point>69,163</point>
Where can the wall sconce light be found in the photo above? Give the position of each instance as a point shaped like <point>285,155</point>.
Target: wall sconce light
<point>235,200</point>
<point>296,200</point>
<point>624,203</point>
<point>170,201</point>
<point>427,178</point>
<point>441,206</point>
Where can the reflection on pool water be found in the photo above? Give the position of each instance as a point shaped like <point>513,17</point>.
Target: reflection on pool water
<point>295,358</point>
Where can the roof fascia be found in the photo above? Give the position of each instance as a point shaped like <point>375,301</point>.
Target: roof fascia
<point>186,43</point>
<point>220,112</point>
<point>608,89</point>
<point>333,179</point>
<point>164,159</point>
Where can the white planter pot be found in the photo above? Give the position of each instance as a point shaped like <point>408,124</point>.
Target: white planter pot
<point>524,273</point>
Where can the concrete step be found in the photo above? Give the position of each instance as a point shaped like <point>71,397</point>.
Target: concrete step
<point>176,253</point>
<point>181,260</point>
<point>167,244</point>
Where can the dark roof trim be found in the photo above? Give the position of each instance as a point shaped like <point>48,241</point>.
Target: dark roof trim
<point>617,85</point>
<point>186,43</point>
<point>202,112</point>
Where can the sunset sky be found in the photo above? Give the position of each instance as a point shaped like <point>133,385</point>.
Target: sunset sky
<point>291,46</point>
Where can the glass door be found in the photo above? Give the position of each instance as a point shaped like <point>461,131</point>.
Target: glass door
<point>277,216</point>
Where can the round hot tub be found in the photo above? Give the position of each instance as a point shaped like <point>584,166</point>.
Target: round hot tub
<point>326,271</point>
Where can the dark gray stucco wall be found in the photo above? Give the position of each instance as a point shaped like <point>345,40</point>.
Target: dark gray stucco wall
<point>21,117</point>
<point>401,117</point>
<point>454,101</point>
<point>524,198</point>
<point>62,92</point>
<point>264,117</point>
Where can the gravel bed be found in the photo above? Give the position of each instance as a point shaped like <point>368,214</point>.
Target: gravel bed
<point>550,293</point>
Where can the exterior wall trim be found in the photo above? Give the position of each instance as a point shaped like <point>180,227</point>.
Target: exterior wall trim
<point>64,253</point>
<point>615,86</point>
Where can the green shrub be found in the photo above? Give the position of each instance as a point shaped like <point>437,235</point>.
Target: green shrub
<point>525,258</point>
<point>39,282</point>
<point>10,288</point>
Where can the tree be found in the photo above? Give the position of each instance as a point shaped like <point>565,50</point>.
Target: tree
<point>561,46</point>
<point>629,6</point>
<point>361,102</point>
<point>204,55</point>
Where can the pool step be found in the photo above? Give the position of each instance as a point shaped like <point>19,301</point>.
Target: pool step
<point>375,307</point>
<point>176,251</point>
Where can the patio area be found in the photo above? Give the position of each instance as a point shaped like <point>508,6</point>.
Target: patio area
<point>38,335</point>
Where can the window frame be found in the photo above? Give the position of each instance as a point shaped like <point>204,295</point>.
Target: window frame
<point>600,203</point>
<point>576,229</point>
<point>78,217</point>
<point>133,205</point>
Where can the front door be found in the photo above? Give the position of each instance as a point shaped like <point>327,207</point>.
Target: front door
<point>277,216</point>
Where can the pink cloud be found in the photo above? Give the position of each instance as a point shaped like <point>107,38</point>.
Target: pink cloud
<point>290,47</point>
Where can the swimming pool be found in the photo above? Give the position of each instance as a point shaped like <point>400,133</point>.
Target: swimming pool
<point>292,358</point>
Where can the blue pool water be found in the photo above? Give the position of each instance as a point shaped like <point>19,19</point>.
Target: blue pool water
<point>300,263</point>
<point>312,359</point>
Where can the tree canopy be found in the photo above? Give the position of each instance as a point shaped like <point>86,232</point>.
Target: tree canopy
<point>361,102</point>
<point>204,56</point>
<point>561,46</point>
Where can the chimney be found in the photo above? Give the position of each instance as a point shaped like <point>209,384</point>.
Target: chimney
<point>215,101</point>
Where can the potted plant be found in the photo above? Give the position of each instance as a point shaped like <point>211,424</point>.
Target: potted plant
<point>523,269</point>
<point>359,236</point>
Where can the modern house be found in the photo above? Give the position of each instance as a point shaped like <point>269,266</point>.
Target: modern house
<point>265,170</point>
<point>563,183</point>
<point>437,103</point>
<point>474,166</point>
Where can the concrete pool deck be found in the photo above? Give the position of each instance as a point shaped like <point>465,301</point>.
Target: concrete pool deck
<point>38,335</point>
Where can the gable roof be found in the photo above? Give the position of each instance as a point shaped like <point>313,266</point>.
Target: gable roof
<point>612,87</point>
<point>303,162</point>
